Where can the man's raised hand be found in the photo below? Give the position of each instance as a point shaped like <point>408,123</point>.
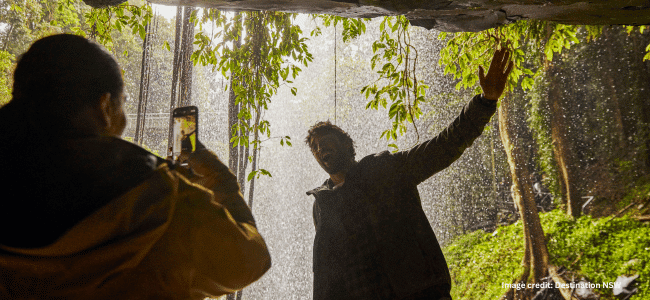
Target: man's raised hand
<point>495,82</point>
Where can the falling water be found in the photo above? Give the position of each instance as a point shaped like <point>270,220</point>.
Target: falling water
<point>282,209</point>
<point>455,200</point>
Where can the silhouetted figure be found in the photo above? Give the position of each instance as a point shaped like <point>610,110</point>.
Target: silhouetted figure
<point>373,240</point>
<point>87,215</point>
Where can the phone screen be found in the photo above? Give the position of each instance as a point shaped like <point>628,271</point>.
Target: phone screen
<point>185,129</point>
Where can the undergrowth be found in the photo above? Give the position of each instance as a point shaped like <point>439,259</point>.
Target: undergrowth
<point>598,249</point>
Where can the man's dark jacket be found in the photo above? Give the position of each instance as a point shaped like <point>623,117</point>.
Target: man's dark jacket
<point>373,240</point>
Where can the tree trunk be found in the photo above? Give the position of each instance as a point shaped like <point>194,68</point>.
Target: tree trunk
<point>618,115</point>
<point>535,261</point>
<point>619,124</point>
<point>562,146</point>
<point>186,63</point>
<point>233,110</point>
<point>244,151</point>
<point>6,41</point>
<point>251,189</point>
<point>644,74</point>
<point>175,71</point>
<point>144,83</point>
<point>495,191</point>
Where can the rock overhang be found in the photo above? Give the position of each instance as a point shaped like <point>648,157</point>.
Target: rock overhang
<point>449,16</point>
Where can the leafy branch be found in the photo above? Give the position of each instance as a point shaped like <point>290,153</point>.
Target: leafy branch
<point>397,77</point>
<point>641,29</point>
<point>352,27</point>
<point>271,54</point>
<point>103,21</point>
<point>465,52</point>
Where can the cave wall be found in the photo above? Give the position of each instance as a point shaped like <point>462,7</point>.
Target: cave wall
<point>450,16</point>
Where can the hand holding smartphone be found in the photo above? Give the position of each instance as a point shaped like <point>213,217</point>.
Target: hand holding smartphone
<point>185,130</point>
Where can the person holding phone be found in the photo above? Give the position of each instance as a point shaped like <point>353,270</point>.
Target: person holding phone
<point>87,215</point>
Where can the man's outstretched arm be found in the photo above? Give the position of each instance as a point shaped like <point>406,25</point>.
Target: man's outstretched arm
<point>430,157</point>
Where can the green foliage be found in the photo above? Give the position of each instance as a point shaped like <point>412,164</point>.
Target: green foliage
<point>641,29</point>
<point>33,19</point>
<point>114,27</point>
<point>527,41</point>
<point>27,21</point>
<point>599,249</point>
<point>397,80</point>
<point>640,191</point>
<point>562,36</point>
<point>352,27</point>
<point>6,62</point>
<point>270,54</point>
<point>533,45</point>
<point>285,140</point>
<point>257,173</point>
<point>479,262</point>
<point>540,123</point>
<point>102,21</point>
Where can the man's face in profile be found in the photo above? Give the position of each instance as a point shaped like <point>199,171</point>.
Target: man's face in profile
<point>332,155</point>
<point>118,117</point>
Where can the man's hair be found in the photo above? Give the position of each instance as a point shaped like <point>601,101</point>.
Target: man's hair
<point>324,128</point>
<point>61,74</point>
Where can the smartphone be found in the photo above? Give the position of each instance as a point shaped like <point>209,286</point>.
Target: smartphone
<point>186,129</point>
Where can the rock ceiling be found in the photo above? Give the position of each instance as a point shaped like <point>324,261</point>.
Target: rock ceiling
<point>450,16</point>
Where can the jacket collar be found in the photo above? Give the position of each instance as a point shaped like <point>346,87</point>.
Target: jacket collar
<point>327,185</point>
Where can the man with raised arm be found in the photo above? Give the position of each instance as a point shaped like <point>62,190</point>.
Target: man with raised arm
<point>87,215</point>
<point>373,240</point>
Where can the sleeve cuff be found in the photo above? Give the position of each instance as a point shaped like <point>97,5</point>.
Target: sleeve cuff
<point>486,102</point>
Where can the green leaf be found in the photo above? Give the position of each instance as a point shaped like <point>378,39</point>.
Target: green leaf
<point>251,175</point>
<point>395,26</point>
<point>142,32</point>
<point>527,83</point>
<point>265,172</point>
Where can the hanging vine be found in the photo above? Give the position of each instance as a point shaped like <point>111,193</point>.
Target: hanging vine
<point>270,56</point>
<point>397,77</point>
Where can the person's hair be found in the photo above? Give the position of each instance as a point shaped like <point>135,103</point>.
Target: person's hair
<point>323,128</point>
<point>61,74</point>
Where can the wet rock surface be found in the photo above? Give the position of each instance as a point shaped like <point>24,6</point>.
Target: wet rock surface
<point>450,16</point>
